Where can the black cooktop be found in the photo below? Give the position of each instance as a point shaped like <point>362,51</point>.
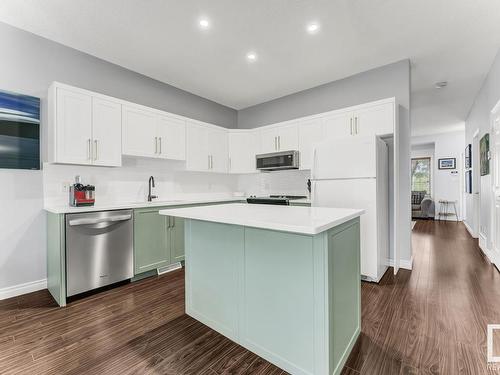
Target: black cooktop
<point>283,200</point>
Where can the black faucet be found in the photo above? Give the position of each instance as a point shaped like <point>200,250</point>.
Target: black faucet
<point>151,184</point>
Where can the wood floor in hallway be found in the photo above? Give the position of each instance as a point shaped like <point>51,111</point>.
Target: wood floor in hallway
<point>428,321</point>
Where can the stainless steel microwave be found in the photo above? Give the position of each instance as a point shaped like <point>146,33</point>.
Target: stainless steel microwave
<point>276,161</point>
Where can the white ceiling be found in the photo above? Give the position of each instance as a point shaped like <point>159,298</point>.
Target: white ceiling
<point>453,40</point>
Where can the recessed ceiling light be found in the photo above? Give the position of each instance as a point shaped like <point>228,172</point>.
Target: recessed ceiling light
<point>440,85</point>
<point>251,56</point>
<point>312,28</point>
<point>204,23</point>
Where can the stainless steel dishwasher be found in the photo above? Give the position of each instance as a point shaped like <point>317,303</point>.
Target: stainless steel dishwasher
<point>99,249</point>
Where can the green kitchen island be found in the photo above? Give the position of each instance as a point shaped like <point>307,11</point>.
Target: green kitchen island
<point>282,281</point>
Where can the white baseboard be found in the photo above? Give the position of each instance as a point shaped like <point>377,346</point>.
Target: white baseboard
<point>17,290</point>
<point>403,263</point>
<point>469,229</point>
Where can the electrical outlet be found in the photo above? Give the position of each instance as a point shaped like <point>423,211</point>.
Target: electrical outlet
<point>65,187</point>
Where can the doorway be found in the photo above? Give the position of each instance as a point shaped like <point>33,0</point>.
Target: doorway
<point>476,188</point>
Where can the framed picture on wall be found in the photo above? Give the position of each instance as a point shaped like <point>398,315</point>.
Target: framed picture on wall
<point>468,182</point>
<point>447,163</point>
<point>468,157</point>
<point>484,155</point>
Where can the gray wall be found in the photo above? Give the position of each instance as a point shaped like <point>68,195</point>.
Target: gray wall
<point>28,65</point>
<point>479,120</point>
<point>380,83</point>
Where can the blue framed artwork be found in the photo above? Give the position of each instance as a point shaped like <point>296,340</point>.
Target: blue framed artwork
<point>19,131</point>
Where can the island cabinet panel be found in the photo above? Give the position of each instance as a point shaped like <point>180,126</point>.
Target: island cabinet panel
<point>176,229</point>
<point>293,299</point>
<point>151,247</point>
<point>213,271</point>
<point>278,271</point>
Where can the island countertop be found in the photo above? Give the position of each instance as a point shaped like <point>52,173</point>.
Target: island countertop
<point>304,220</point>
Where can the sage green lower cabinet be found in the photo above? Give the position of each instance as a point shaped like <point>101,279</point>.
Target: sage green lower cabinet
<point>293,299</point>
<point>151,242</point>
<point>176,239</point>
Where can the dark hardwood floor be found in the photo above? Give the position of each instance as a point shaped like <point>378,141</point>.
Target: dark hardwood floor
<point>428,321</point>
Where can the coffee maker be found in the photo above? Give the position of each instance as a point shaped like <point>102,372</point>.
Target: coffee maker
<point>81,195</point>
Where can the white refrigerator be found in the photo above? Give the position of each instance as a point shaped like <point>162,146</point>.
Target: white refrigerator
<point>354,173</point>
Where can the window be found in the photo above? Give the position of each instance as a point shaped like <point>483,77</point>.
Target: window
<point>421,175</point>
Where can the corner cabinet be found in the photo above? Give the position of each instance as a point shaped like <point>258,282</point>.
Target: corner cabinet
<point>158,240</point>
<point>279,137</point>
<point>84,128</point>
<point>206,148</point>
<point>147,133</point>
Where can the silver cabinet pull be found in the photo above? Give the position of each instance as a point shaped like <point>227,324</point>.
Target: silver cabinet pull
<point>351,124</point>
<point>356,124</point>
<point>279,142</point>
<point>208,156</point>
<point>156,145</point>
<point>89,146</point>
<point>275,143</point>
<point>229,163</point>
<point>211,162</point>
<point>95,150</point>
<point>160,145</point>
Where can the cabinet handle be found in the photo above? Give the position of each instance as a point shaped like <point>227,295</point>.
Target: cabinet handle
<point>160,145</point>
<point>89,153</point>
<point>156,145</point>
<point>95,149</point>
<point>229,162</point>
<point>351,124</point>
<point>279,142</point>
<point>356,124</point>
<point>211,162</point>
<point>173,222</point>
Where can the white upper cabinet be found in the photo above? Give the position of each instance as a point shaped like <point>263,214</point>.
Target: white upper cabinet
<point>171,134</point>
<point>151,134</point>
<point>84,128</point>
<point>311,132</point>
<point>279,138</point>
<point>217,148</point>
<point>72,127</point>
<point>139,132</point>
<point>106,132</point>
<point>375,120</point>
<point>206,148</point>
<point>243,146</point>
<point>338,124</point>
<point>197,155</point>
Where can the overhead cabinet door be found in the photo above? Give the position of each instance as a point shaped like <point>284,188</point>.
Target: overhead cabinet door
<point>197,155</point>
<point>268,140</point>
<point>73,127</point>
<point>338,125</point>
<point>243,146</point>
<point>311,132</point>
<point>376,120</point>
<point>217,144</point>
<point>139,132</point>
<point>106,132</point>
<point>171,133</point>
<point>288,138</point>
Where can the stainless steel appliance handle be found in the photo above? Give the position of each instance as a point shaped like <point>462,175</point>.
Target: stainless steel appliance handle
<point>112,219</point>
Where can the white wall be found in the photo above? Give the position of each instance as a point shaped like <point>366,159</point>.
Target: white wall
<point>447,184</point>
<point>478,120</point>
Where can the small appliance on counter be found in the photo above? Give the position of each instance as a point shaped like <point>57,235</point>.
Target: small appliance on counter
<point>81,195</point>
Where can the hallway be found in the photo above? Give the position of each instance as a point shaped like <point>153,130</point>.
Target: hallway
<point>431,320</point>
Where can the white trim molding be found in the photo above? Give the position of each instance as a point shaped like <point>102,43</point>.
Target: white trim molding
<point>17,290</point>
<point>403,263</point>
<point>469,229</point>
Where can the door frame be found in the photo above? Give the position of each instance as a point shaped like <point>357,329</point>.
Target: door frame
<point>495,190</point>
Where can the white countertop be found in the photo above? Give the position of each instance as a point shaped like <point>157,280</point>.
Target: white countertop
<point>296,219</point>
<point>128,205</point>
